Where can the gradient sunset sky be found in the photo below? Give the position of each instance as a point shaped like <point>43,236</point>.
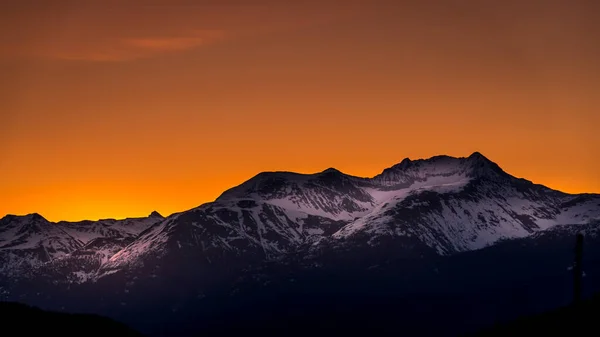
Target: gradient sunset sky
<point>112,109</point>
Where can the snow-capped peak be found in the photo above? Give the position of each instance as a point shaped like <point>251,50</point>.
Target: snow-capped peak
<point>482,166</point>
<point>339,196</point>
<point>409,171</point>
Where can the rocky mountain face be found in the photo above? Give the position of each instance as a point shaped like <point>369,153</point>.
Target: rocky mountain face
<point>30,243</point>
<point>414,214</point>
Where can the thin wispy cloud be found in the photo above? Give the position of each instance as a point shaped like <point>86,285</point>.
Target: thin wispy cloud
<point>127,49</point>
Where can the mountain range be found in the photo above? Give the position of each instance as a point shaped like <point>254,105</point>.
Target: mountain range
<point>407,237</point>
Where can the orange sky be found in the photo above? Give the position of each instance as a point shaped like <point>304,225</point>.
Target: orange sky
<point>114,109</point>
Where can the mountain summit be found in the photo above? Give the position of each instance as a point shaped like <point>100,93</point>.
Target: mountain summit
<point>155,214</point>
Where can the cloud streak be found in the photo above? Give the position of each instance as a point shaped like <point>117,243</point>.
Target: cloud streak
<point>128,49</point>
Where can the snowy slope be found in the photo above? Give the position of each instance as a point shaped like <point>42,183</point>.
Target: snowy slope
<point>473,216</point>
<point>86,231</point>
<point>461,204</point>
<point>30,241</point>
<point>329,194</point>
<point>242,228</point>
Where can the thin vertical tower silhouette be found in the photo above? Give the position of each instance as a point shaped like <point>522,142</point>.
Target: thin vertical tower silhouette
<point>577,269</point>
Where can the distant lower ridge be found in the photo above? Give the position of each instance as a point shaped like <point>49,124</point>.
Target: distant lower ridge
<point>574,320</point>
<point>24,320</point>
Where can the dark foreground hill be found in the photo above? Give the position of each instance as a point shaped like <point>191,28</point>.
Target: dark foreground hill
<point>379,317</point>
<point>574,320</point>
<point>20,319</point>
